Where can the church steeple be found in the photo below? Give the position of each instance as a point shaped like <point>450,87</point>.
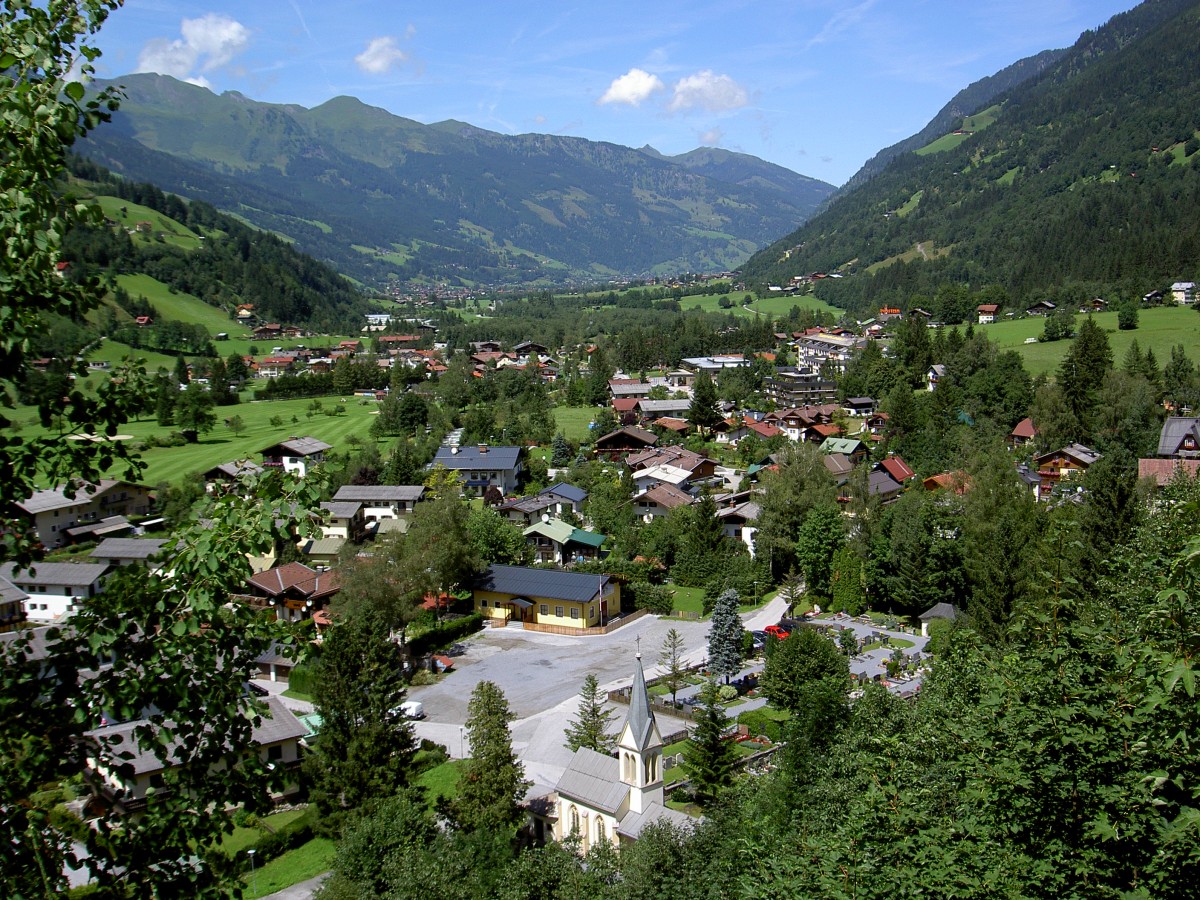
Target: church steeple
<point>640,747</point>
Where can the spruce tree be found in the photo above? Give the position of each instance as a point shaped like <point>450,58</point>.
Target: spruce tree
<point>560,450</point>
<point>725,637</point>
<point>709,758</point>
<point>670,657</point>
<point>591,728</point>
<point>493,782</point>
<point>703,412</point>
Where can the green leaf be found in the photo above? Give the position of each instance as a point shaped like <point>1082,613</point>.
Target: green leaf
<point>75,91</point>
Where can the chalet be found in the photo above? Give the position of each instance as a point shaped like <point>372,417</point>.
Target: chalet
<point>296,454</point>
<point>649,410</point>
<point>1041,308</point>
<point>764,430</point>
<point>267,332</point>
<point>1180,438</point>
<point>226,475</point>
<point>935,374</point>
<point>530,348</point>
<point>897,469</point>
<point>559,542</point>
<point>125,782</point>
<point>851,447</point>
<point>293,590</point>
<point>624,440</point>
<point>644,479</point>
<point>485,346</point>
<point>675,455</point>
<point>322,552</point>
<point>128,551</point>
<point>887,313</point>
<point>351,347</point>
<point>659,501</point>
<point>275,366</point>
<point>343,519</point>
<point>56,589</point>
<point>51,513</point>
<point>12,607</point>
<point>571,600</point>
<point>859,406</point>
<point>1022,434</point>
<point>483,466</point>
<point>740,522</point>
<point>382,501</point>
<point>987,313</point>
<point>1063,465</point>
<point>1184,293</point>
<point>880,484</point>
<point>673,425</point>
<point>143,321</point>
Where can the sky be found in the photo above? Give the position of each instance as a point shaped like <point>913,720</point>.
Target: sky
<point>817,86</point>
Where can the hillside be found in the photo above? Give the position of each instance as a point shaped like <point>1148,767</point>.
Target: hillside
<point>1100,151</point>
<point>384,197</point>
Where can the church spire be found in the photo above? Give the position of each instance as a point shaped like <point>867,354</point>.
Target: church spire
<point>641,716</point>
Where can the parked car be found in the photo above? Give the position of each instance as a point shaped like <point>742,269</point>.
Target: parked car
<point>410,709</point>
<point>759,639</point>
<point>777,631</point>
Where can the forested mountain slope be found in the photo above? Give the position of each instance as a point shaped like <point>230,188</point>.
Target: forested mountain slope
<point>1088,178</point>
<point>381,196</point>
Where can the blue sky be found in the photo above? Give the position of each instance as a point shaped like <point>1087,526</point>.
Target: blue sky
<point>817,86</point>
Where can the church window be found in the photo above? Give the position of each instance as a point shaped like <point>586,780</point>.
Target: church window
<point>574,820</point>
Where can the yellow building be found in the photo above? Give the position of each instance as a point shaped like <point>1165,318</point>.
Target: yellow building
<point>546,596</point>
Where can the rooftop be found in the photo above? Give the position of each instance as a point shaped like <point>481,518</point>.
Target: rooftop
<point>548,583</point>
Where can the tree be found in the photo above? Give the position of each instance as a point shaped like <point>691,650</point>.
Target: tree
<point>1082,370</point>
<point>820,537</point>
<point>709,758</point>
<point>560,450</point>
<point>493,781</point>
<point>194,412</point>
<point>1127,315</point>
<point>670,657</point>
<point>438,554</point>
<point>366,747</point>
<point>805,657</point>
<point>703,412</point>
<point>496,540</point>
<point>236,424</point>
<point>801,483</point>
<point>591,728</point>
<point>725,637</point>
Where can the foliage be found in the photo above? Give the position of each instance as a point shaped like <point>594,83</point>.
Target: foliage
<point>820,538</point>
<point>725,637</point>
<point>703,413</point>
<point>801,483</point>
<point>591,728</point>
<point>709,758</point>
<point>495,539</point>
<point>493,783</point>
<point>804,658</point>
<point>670,658</point>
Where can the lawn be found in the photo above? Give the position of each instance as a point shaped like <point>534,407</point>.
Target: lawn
<point>441,781</point>
<point>573,421</point>
<point>767,306</point>
<point>1159,329</point>
<point>246,837</point>
<point>129,214</point>
<point>180,306</point>
<point>687,599</point>
<point>306,861</point>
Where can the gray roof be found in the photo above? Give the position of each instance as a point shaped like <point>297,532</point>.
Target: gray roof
<point>301,446</point>
<point>44,573</point>
<point>331,546</point>
<point>566,491</point>
<point>594,780</point>
<point>128,548</point>
<point>342,509</point>
<point>375,493</point>
<point>882,484</point>
<point>44,501</point>
<point>235,469</point>
<point>940,611</point>
<point>473,458</point>
<point>1174,430</point>
<point>634,824</point>
<point>548,583</point>
<point>650,407</point>
<point>10,592</point>
<point>641,717</point>
<point>278,724</point>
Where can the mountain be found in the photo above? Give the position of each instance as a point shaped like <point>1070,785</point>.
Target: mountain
<point>383,197</point>
<point>1085,177</point>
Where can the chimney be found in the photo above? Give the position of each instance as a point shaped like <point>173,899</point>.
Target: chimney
<point>483,448</point>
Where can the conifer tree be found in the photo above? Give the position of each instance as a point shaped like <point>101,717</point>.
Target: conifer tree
<point>725,637</point>
<point>560,450</point>
<point>670,657</point>
<point>493,781</point>
<point>709,758</point>
<point>703,413</point>
<point>591,728</point>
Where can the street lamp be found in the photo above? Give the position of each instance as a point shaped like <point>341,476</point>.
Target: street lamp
<point>253,872</point>
<point>756,595</point>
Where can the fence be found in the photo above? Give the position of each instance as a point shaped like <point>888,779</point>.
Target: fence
<point>586,632</point>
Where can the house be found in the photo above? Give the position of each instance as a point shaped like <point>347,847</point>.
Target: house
<point>226,475</point>
<point>1164,471</point>
<point>701,467</point>
<point>559,542</point>
<point>860,406</point>
<point>937,611</point>
<point>323,552</point>
<point>1041,308</point>
<point>649,410</point>
<point>12,607</point>
<point>677,477</point>
<point>565,497</point>
<point>545,597</point>
<point>55,589</point>
<point>624,440</point>
<point>1022,434</point>
<point>296,454</point>
<point>128,551</point>
<point>987,313</point>
<point>1062,465</point>
<point>293,590</point>
<point>275,366</point>
<point>880,484</point>
<point>382,501</point>
<point>955,482</point>
<point>50,513</point>
<point>1180,438</point>
<point>1184,293</point>
<point>739,522</point>
<point>126,781</point>
<point>851,447</point>
<point>483,466</point>
<point>601,799</point>
<point>675,426</point>
<point>622,389</point>
<point>659,501</point>
<point>935,374</point>
<point>344,520</point>
<point>897,469</point>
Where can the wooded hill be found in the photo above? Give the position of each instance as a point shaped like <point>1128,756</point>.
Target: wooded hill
<point>382,197</point>
<point>1087,180</point>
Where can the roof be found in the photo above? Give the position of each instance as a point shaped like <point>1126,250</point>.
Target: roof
<point>840,445</point>
<point>882,484</point>
<point>666,496</point>
<point>235,469</point>
<point>665,473</point>
<point>639,435</point>
<point>48,573</point>
<point>661,407</point>
<point>301,446</point>
<point>1174,430</point>
<point>277,724</point>
<point>940,611</point>
<point>128,548</point>
<point>672,424</point>
<point>548,583</point>
<point>56,498</point>
<point>1024,429</point>
<point>380,493</point>
<point>594,780</point>
<point>1164,471</point>
<point>634,824</point>
<point>624,404</point>
<point>563,533</point>
<point>1078,453</point>
<point>342,509</point>
<point>330,546</point>
<point>295,576</point>
<point>748,512</point>
<point>838,464</point>
<point>10,593</point>
<point>897,468</point>
<point>566,491</point>
<point>640,720</point>
<point>472,457</point>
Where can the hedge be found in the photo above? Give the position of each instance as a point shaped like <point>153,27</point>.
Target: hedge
<point>445,633</point>
<point>304,677</point>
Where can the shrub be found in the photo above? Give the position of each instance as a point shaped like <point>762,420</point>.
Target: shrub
<point>681,795</point>
<point>445,634</point>
<point>727,692</point>
<point>654,597</point>
<point>761,722</point>
<point>304,677</point>
<point>422,677</point>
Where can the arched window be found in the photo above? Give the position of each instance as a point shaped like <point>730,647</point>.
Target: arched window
<point>599,829</point>
<point>575,820</point>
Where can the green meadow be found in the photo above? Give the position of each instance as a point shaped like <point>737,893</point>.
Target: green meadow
<point>774,307</point>
<point>180,306</point>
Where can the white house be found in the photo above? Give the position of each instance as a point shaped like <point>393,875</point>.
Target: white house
<point>297,454</point>
<point>55,589</point>
<point>52,512</point>
<point>1184,292</point>
<point>483,466</point>
<point>382,501</point>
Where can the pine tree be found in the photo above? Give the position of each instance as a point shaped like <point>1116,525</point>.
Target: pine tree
<point>703,412</point>
<point>709,758</point>
<point>725,637</point>
<point>591,728</point>
<point>670,657</point>
<point>493,781</point>
<point>560,450</point>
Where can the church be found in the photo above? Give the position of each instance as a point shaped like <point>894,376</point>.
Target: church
<point>602,798</point>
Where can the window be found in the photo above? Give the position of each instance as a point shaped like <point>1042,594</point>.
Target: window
<point>483,604</point>
<point>275,752</point>
<point>591,613</point>
<point>544,609</point>
<point>574,612</point>
<point>574,820</point>
<point>558,611</point>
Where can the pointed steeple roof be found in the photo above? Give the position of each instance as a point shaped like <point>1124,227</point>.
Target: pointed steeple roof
<point>641,717</point>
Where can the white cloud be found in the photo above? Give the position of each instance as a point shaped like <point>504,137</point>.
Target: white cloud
<point>712,137</point>
<point>632,88</point>
<point>381,54</point>
<point>204,44</point>
<point>708,91</point>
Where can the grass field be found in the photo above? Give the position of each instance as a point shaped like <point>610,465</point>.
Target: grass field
<point>128,215</point>
<point>246,837</point>
<point>441,781</point>
<point>573,421</point>
<point>306,861</point>
<point>1159,329</point>
<point>767,306</point>
<point>180,306</point>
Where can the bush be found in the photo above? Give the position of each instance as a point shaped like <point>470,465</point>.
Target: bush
<point>422,677</point>
<point>654,597</point>
<point>762,722</point>
<point>445,634</point>
<point>681,795</point>
<point>727,692</point>
<point>304,678</point>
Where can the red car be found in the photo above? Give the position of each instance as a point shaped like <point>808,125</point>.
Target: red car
<point>777,631</point>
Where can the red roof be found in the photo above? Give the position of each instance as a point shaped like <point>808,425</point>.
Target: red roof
<point>987,308</point>
<point>764,429</point>
<point>672,424</point>
<point>827,430</point>
<point>1164,470</point>
<point>898,469</point>
<point>958,482</point>
<point>1024,429</point>
<point>624,404</point>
